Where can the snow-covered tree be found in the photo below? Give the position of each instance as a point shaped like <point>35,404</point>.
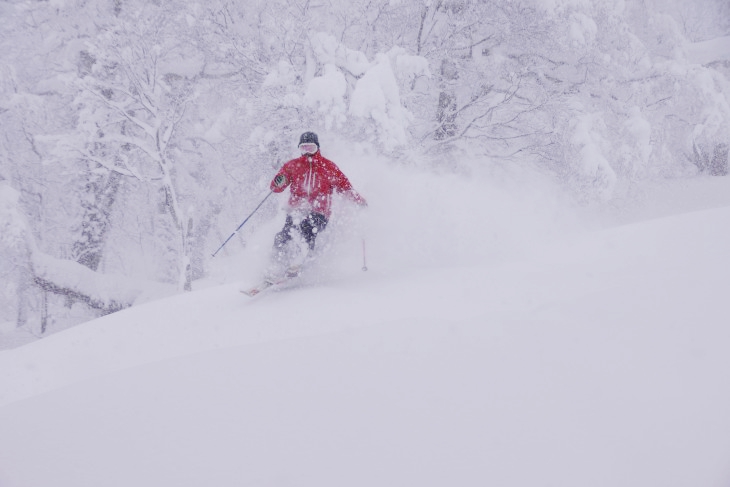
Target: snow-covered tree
<point>134,135</point>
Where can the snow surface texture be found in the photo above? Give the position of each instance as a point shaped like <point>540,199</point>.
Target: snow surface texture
<point>596,358</point>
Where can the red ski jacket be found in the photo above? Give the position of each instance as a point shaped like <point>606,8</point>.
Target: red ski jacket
<point>313,179</point>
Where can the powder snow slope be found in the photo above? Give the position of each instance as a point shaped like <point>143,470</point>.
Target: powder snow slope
<point>601,361</point>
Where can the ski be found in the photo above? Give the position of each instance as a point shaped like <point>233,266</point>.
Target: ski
<point>259,288</point>
<point>291,273</point>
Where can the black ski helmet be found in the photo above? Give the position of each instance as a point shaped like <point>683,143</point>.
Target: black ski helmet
<point>309,138</point>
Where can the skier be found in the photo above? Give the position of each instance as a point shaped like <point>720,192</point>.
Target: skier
<point>311,179</point>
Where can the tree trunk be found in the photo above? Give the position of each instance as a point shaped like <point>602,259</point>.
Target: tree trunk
<point>24,283</point>
<point>89,249</point>
<point>719,162</point>
<point>44,311</point>
<point>446,116</point>
<point>446,110</point>
<point>172,205</point>
<point>187,260</point>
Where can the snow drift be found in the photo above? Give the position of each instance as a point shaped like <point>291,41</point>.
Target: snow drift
<point>599,360</point>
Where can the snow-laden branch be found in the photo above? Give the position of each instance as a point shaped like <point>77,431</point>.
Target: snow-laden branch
<point>119,108</point>
<point>111,167</point>
<point>151,152</point>
<point>707,52</point>
<point>138,84</point>
<point>104,292</point>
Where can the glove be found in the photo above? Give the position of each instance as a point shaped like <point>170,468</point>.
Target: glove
<point>357,198</point>
<point>280,181</point>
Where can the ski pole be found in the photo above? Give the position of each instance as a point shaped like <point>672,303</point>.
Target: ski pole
<point>242,224</point>
<point>364,260</point>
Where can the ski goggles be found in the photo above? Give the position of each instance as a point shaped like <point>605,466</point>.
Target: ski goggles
<point>308,148</point>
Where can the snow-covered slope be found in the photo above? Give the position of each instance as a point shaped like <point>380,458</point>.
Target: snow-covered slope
<point>598,360</point>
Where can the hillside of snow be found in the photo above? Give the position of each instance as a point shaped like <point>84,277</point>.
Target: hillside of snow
<point>495,353</point>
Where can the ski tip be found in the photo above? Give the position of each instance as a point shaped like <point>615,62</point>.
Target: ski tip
<point>251,292</point>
